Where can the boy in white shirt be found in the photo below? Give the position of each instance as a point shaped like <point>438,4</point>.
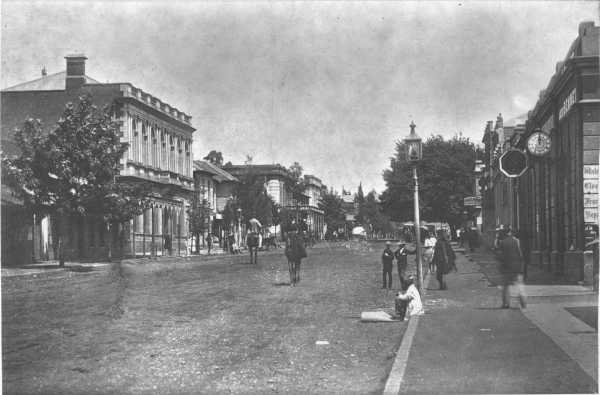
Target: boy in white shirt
<point>412,296</point>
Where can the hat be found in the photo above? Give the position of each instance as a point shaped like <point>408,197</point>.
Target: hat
<point>388,243</point>
<point>401,243</point>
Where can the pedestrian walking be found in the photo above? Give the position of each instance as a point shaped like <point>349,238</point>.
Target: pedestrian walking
<point>511,267</point>
<point>413,297</point>
<point>401,255</point>
<point>294,252</point>
<point>387,259</point>
<point>428,252</point>
<point>443,259</point>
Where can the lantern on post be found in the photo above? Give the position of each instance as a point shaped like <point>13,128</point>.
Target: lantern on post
<point>414,153</point>
<point>414,145</point>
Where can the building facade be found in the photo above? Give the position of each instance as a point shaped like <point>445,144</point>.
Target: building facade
<point>278,183</point>
<point>159,156</point>
<point>215,187</point>
<point>558,196</point>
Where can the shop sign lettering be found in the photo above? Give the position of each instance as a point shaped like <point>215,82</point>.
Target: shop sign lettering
<point>590,186</point>
<point>590,171</point>
<point>567,103</point>
<point>590,215</point>
<point>590,200</point>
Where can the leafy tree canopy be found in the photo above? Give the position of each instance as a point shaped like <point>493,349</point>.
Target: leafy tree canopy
<point>214,157</point>
<point>445,178</point>
<point>331,204</point>
<point>72,169</point>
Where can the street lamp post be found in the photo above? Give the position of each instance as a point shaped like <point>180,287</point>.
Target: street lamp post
<point>239,241</point>
<point>414,153</point>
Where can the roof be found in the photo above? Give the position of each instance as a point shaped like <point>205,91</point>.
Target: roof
<point>52,82</point>
<point>219,174</point>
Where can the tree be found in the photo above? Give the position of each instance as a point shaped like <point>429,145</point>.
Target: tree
<point>374,218</point>
<point>360,202</point>
<point>72,170</point>
<point>214,157</point>
<point>445,178</point>
<point>251,196</point>
<point>333,213</point>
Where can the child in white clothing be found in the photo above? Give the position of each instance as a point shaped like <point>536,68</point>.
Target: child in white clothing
<point>412,296</point>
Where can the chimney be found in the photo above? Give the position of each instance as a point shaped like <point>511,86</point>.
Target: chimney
<point>75,71</point>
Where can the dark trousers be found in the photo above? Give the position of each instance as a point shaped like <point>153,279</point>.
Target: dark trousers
<point>402,276</point>
<point>439,274</point>
<point>387,276</point>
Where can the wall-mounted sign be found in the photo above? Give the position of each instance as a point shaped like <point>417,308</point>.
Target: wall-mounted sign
<point>472,201</point>
<point>567,103</point>
<point>590,215</point>
<point>590,200</point>
<point>590,171</point>
<point>590,233</point>
<point>590,186</point>
<point>548,125</point>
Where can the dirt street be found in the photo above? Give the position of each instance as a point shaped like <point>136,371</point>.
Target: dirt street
<point>190,327</point>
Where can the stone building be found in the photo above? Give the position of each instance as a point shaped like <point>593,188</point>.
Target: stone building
<point>159,155</point>
<point>558,196</point>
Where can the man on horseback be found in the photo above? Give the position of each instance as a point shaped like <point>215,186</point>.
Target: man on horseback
<point>294,251</point>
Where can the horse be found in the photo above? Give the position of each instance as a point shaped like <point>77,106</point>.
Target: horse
<point>252,243</point>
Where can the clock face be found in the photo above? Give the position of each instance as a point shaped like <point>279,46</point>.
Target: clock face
<point>539,143</point>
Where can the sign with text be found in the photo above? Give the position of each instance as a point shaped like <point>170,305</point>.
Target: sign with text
<point>590,186</point>
<point>590,171</point>
<point>472,201</point>
<point>590,214</point>
<point>590,200</point>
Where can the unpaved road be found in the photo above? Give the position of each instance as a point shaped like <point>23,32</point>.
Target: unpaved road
<point>192,327</point>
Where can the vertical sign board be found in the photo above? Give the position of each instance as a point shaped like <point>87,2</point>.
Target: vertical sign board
<point>590,202</point>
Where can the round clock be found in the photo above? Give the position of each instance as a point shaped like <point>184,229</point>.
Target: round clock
<point>539,143</point>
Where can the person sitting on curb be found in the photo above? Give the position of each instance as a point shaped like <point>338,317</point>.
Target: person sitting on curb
<point>412,297</point>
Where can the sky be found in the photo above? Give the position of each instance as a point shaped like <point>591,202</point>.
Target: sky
<point>331,85</point>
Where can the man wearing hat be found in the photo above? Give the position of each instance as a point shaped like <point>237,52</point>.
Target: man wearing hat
<point>387,258</point>
<point>401,255</point>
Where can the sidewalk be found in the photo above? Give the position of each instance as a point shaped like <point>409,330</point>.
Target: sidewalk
<point>466,344</point>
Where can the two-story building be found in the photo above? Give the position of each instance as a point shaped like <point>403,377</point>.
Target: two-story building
<point>215,187</point>
<point>159,155</point>
<point>558,196</point>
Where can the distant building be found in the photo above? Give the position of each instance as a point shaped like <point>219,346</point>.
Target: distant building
<point>278,182</point>
<point>159,155</point>
<point>216,187</point>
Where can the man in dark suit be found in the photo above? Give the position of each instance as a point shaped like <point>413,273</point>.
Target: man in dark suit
<point>387,259</point>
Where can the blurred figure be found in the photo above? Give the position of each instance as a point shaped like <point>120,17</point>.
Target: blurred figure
<point>401,255</point>
<point>511,267</point>
<point>443,258</point>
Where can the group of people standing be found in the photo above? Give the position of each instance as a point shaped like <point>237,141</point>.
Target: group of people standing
<point>439,257</point>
